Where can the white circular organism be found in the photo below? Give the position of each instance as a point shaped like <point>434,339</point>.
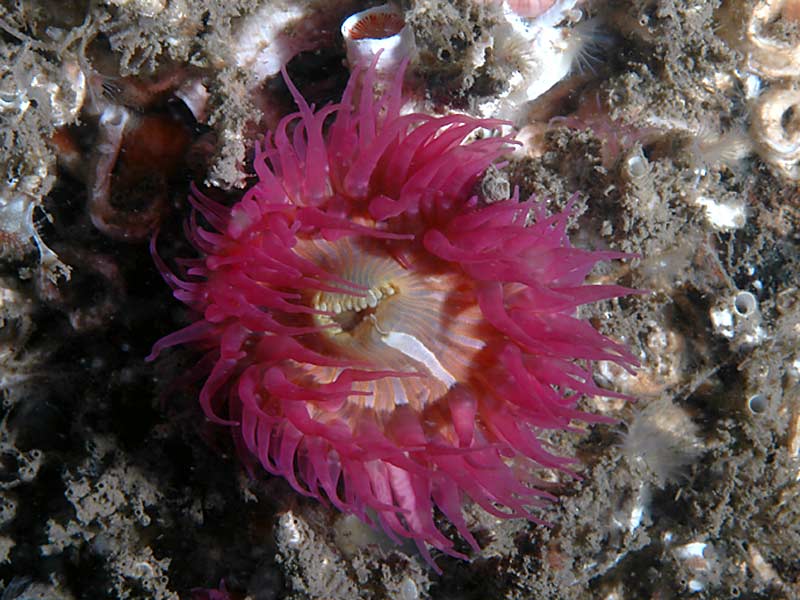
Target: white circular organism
<point>636,166</point>
<point>757,403</point>
<point>776,130</point>
<point>745,304</point>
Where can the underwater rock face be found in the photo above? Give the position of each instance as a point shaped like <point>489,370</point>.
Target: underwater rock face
<point>674,123</point>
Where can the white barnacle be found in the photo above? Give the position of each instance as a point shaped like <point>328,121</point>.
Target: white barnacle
<point>776,129</point>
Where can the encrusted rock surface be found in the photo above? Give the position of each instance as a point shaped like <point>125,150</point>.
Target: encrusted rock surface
<point>111,485</point>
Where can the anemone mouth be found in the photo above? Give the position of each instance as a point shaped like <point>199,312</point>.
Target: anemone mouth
<point>420,328</point>
<point>351,312</point>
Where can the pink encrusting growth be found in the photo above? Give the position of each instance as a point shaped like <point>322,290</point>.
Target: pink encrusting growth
<point>379,336</point>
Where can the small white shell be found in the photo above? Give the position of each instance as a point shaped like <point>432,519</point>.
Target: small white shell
<point>770,56</point>
<point>776,130</point>
<point>745,304</point>
<point>195,96</point>
<point>381,28</point>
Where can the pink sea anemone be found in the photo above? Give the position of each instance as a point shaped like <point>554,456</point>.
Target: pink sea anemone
<point>379,336</point>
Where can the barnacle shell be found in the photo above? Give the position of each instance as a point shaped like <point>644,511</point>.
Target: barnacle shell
<point>540,43</point>
<point>194,95</point>
<point>61,92</point>
<point>261,46</point>
<point>67,99</point>
<point>770,56</point>
<point>776,130</point>
<point>380,29</point>
<point>17,226</point>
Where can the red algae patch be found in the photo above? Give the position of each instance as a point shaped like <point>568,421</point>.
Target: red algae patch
<point>379,336</point>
